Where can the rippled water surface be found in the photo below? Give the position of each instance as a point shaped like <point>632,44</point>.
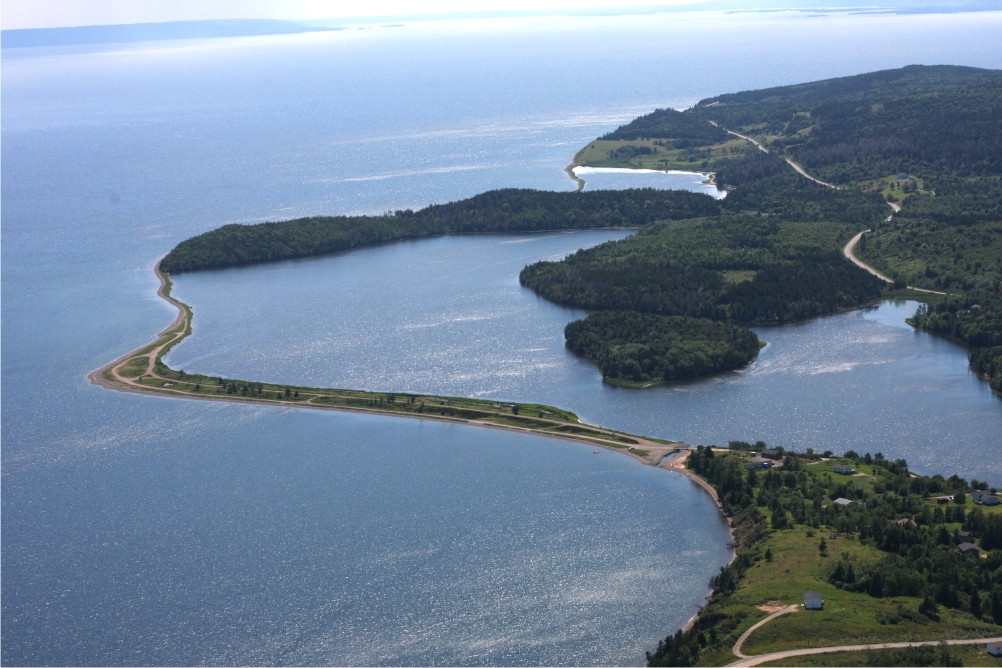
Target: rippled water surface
<point>139,530</point>
<point>448,316</point>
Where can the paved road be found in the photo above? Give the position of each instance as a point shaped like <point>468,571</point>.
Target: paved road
<point>778,656</point>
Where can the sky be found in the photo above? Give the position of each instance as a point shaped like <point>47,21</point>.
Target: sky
<point>16,14</point>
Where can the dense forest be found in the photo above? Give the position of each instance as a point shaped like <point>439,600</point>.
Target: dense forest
<point>744,268</point>
<point>496,211</point>
<point>631,347</point>
<point>861,127</point>
<point>907,544</point>
<point>878,136</point>
<point>789,196</point>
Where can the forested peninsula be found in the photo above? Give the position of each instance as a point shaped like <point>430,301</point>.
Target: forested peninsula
<point>925,139</point>
<point>497,211</point>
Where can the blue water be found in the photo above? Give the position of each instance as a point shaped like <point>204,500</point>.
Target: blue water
<point>448,316</point>
<point>140,530</point>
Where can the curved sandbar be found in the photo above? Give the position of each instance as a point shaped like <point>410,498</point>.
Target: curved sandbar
<point>143,371</point>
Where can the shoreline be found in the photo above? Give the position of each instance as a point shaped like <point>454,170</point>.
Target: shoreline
<point>569,169</point>
<point>146,365</point>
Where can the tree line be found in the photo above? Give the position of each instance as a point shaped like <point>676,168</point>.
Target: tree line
<point>497,211</point>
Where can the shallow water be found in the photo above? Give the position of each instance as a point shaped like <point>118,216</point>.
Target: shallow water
<point>140,530</point>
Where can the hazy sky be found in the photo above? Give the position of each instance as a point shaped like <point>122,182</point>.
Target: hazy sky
<point>55,13</point>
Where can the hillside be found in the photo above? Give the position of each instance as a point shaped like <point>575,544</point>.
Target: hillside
<point>927,138</point>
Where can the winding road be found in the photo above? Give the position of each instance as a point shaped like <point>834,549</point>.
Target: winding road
<point>744,636</point>
<point>847,251</point>
<point>797,167</point>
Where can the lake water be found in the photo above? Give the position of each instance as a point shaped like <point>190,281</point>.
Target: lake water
<point>141,530</point>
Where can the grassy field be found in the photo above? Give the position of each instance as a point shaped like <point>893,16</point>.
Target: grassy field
<point>894,189</point>
<point>626,154</point>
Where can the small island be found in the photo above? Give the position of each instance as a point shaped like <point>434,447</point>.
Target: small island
<point>643,350</point>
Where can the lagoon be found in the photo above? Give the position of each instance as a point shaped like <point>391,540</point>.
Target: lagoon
<point>447,316</point>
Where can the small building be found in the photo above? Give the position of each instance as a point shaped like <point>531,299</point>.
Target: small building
<point>995,648</point>
<point>985,498</point>
<point>840,501</point>
<point>903,176</point>
<point>905,522</point>
<point>844,469</point>
<point>969,548</point>
<point>772,453</point>
<point>759,463</point>
<point>813,601</point>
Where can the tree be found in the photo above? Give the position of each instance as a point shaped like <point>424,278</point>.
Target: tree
<point>960,498</point>
<point>514,409</point>
<point>975,603</point>
<point>768,554</point>
<point>929,608</point>
<point>288,392</point>
<point>997,605</point>
<point>823,547</point>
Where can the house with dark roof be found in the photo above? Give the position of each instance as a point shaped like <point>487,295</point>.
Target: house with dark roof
<point>969,548</point>
<point>844,469</point>
<point>772,453</point>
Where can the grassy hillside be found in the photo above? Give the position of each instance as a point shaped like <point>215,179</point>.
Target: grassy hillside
<point>887,565</point>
